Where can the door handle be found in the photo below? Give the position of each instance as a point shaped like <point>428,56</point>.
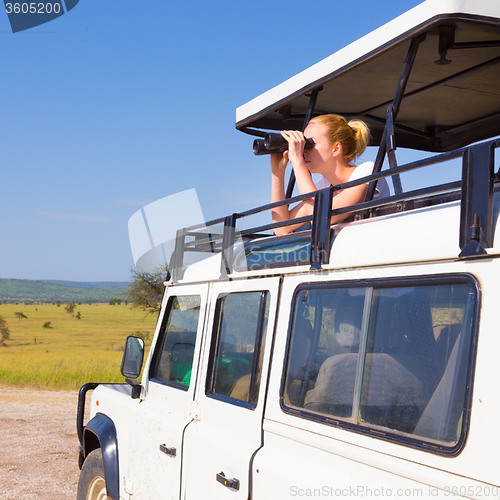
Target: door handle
<point>168,451</point>
<point>233,484</point>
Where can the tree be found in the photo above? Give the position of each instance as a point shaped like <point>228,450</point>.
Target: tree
<point>142,334</point>
<point>70,308</point>
<point>4,329</point>
<point>47,324</point>
<point>146,290</point>
<point>20,315</point>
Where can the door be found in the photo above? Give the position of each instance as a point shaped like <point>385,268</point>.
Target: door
<point>230,390</point>
<point>156,436</point>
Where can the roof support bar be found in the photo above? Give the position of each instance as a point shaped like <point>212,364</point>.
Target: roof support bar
<point>307,118</point>
<point>391,149</point>
<point>228,240</point>
<point>178,255</point>
<point>476,213</point>
<point>396,103</point>
<point>320,238</point>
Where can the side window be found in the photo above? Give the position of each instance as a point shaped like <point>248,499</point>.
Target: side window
<point>326,335</point>
<point>236,353</point>
<point>393,357</point>
<point>173,358</point>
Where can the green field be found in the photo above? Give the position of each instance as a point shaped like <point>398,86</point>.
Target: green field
<point>72,351</point>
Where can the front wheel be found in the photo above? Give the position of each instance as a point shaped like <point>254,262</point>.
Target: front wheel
<point>92,485</point>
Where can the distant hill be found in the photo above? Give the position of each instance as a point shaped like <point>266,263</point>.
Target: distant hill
<point>90,284</point>
<point>12,290</point>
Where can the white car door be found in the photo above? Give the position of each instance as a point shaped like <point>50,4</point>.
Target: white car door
<point>156,437</point>
<point>230,391</point>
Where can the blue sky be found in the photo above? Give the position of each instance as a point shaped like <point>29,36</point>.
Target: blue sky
<point>119,103</point>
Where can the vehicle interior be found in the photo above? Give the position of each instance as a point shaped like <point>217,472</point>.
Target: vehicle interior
<point>391,356</point>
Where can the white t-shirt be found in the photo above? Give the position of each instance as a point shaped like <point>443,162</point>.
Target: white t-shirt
<point>362,170</point>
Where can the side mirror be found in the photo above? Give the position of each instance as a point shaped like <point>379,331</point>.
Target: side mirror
<point>133,357</point>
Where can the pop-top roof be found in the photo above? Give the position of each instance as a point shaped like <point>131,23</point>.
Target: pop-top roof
<point>445,106</point>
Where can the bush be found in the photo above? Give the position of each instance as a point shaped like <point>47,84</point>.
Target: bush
<point>144,335</point>
<point>4,329</point>
<point>70,308</point>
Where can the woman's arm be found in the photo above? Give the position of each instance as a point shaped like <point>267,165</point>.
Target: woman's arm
<point>295,153</point>
<point>280,214</point>
<point>346,198</point>
<point>296,142</point>
<point>278,166</point>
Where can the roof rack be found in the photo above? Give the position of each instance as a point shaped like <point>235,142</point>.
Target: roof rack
<point>475,190</point>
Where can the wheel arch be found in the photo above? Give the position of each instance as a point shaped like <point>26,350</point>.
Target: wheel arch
<point>100,432</point>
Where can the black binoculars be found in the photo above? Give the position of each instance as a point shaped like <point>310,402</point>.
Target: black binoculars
<point>274,142</point>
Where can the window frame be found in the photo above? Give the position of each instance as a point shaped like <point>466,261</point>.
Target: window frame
<point>158,348</point>
<point>383,432</point>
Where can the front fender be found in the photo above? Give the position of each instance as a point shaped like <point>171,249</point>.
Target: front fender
<point>103,429</point>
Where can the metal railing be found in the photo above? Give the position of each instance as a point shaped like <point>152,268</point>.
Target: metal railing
<point>475,190</point>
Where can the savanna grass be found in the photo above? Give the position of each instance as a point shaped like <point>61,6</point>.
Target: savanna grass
<point>72,351</point>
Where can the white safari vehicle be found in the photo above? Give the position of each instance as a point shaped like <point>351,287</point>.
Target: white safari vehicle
<point>354,360</point>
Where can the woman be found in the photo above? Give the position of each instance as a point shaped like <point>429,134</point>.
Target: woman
<point>336,145</point>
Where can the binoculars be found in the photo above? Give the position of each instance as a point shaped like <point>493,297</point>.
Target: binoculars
<point>274,142</point>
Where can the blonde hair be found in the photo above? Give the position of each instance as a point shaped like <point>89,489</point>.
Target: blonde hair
<point>354,136</point>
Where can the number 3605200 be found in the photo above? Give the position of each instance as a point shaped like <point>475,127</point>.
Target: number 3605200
<point>33,8</point>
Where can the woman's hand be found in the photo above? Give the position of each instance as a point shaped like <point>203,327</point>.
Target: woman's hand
<point>279,161</point>
<point>296,143</point>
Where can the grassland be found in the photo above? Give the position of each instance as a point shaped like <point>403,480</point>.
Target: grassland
<point>72,351</point>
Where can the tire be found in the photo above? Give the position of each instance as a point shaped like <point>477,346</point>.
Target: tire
<point>92,485</point>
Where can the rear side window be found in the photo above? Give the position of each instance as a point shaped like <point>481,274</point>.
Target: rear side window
<point>173,358</point>
<point>236,353</point>
<point>391,358</point>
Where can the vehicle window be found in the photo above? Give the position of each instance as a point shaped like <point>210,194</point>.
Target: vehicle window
<point>274,253</point>
<point>326,331</point>
<point>174,355</point>
<point>236,356</point>
<point>389,357</point>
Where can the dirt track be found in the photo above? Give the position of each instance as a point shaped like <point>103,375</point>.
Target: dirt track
<point>38,445</point>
